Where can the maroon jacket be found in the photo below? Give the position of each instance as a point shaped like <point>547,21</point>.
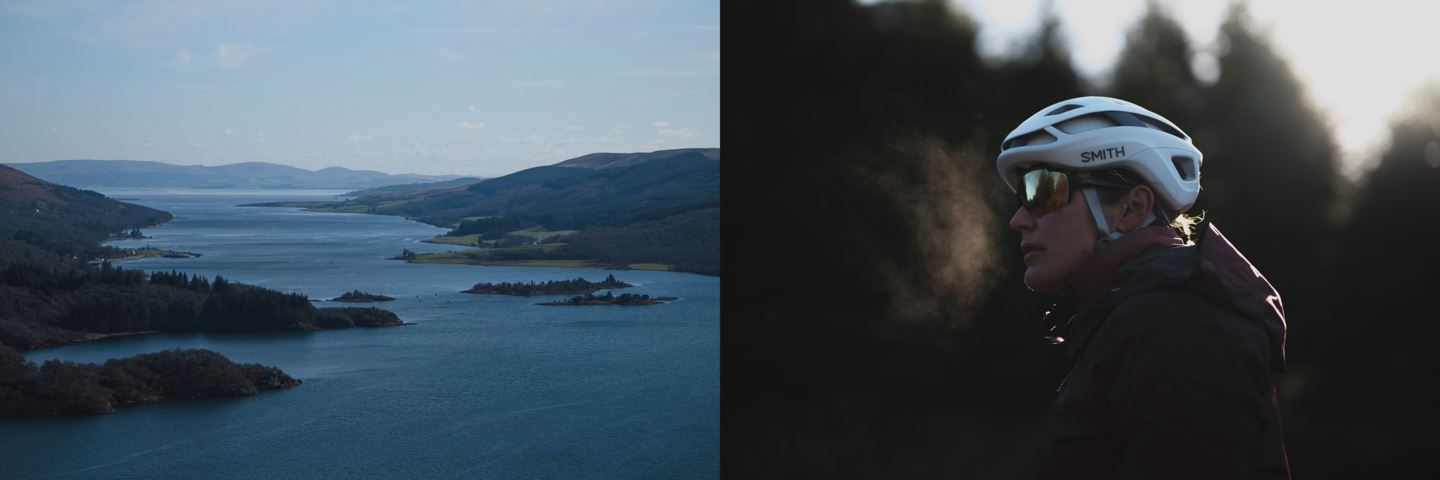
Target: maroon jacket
<point>1173,348</point>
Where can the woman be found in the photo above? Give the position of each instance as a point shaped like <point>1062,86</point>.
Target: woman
<point>1172,343</point>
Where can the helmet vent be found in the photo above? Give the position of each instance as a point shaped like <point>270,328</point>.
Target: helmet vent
<point>1096,121</point>
<point>1062,109</point>
<point>1038,138</point>
<point>1149,122</point>
<point>1186,167</point>
<point>1085,123</point>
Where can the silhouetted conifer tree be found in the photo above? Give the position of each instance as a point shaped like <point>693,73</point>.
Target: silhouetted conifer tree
<point>1154,70</point>
<point>1269,178</point>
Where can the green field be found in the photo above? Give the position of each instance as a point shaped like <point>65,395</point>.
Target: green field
<point>467,240</point>
<point>536,233</point>
<point>649,266</point>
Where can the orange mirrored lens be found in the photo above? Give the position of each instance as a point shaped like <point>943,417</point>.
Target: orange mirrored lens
<point>1046,191</point>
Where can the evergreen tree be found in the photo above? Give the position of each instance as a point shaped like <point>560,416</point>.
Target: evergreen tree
<point>1269,174</point>
<point>1154,70</point>
<point>1383,297</point>
<point>1040,75</point>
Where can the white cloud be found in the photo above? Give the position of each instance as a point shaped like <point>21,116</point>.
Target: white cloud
<point>183,57</point>
<point>233,55</point>
<point>615,133</point>
<point>682,132</point>
<point>472,109</point>
<point>471,125</point>
<point>229,132</point>
<point>533,139</point>
<point>661,124</point>
<point>671,73</point>
<point>355,137</point>
<point>537,83</point>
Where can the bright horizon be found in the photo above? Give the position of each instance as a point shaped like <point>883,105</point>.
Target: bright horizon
<point>1358,62</point>
<point>466,88</point>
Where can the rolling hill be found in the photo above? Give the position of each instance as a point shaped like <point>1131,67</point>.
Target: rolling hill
<point>61,220</point>
<point>146,174</point>
<point>624,208</point>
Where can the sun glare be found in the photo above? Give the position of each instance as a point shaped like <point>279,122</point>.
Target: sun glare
<point>1358,61</point>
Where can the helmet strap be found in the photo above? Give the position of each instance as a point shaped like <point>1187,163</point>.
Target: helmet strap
<point>1107,235</point>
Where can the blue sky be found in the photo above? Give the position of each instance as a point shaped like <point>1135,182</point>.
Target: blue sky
<point>475,88</point>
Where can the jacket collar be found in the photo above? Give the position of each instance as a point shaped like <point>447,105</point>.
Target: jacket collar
<point>1086,280</point>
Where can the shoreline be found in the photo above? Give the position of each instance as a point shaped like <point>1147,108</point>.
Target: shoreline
<point>449,258</point>
<point>551,263</point>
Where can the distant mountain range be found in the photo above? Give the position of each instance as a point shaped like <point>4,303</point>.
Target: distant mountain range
<point>146,174</point>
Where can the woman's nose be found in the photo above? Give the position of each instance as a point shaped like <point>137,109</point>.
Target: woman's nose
<point>1022,220</point>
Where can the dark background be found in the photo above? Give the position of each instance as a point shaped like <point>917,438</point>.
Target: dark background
<point>874,322</point>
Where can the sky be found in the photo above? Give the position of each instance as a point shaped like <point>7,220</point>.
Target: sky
<point>481,88</point>
<point>1359,61</point>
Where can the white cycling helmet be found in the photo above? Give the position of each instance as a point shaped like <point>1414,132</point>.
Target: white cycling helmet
<point>1102,133</point>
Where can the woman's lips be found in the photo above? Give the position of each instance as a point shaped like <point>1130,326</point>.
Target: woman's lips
<point>1031,250</point>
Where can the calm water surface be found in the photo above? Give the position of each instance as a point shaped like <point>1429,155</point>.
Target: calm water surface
<point>481,387</point>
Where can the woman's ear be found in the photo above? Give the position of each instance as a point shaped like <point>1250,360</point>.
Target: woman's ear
<point>1134,207</point>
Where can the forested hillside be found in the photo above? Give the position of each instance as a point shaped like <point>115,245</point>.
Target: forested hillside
<point>659,207</point>
<point>45,222</point>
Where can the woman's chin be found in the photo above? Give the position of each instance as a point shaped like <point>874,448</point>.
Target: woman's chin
<point>1037,279</point>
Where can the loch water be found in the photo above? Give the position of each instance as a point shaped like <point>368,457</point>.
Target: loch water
<point>481,386</point>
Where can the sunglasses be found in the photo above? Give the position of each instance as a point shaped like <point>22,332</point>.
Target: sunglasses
<point>1044,190</point>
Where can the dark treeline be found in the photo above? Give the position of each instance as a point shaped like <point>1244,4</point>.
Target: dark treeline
<point>61,388</point>
<point>45,305</point>
<point>883,330</point>
<point>609,298</point>
<point>550,287</point>
<point>359,296</point>
<point>346,317</point>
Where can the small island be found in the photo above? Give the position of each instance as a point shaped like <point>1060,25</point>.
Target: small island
<point>67,388</point>
<point>624,299</point>
<point>359,296</point>
<point>552,287</point>
<point>347,317</point>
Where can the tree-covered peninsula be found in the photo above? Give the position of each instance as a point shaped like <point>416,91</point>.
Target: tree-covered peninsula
<point>61,388</point>
<point>551,287</point>
<point>46,306</point>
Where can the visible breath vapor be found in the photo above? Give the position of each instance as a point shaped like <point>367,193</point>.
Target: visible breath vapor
<point>940,195</point>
